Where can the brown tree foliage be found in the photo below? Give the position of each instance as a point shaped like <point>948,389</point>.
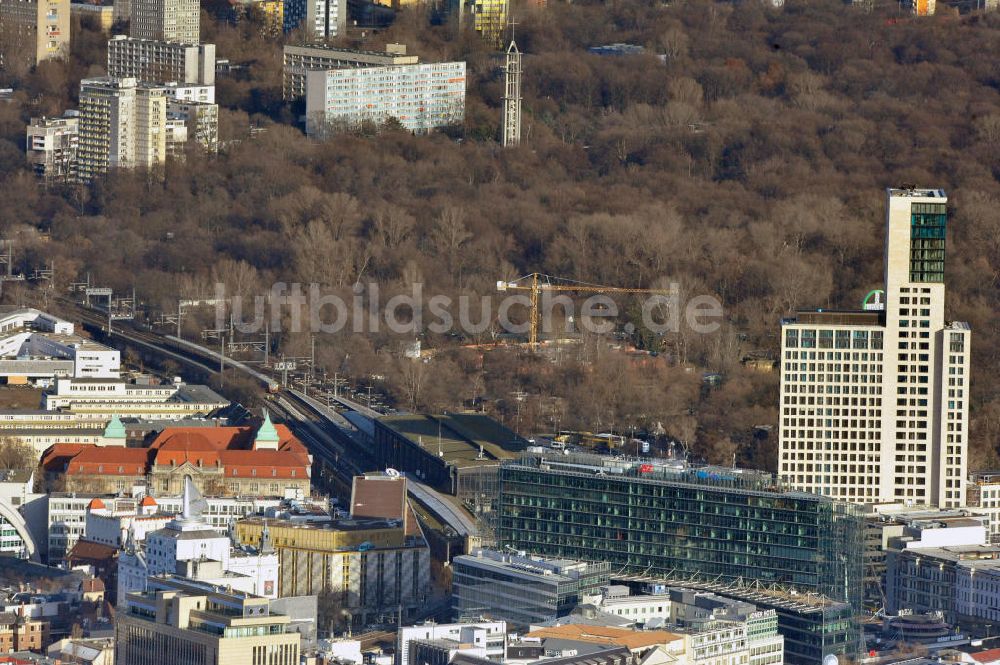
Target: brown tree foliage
<point>748,164</point>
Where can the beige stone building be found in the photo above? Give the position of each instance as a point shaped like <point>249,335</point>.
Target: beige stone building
<point>198,624</point>
<point>875,402</point>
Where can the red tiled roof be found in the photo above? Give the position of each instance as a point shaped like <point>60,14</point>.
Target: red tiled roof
<point>109,461</point>
<point>93,585</point>
<point>57,456</point>
<point>987,656</point>
<point>86,549</point>
<point>147,501</point>
<point>264,464</point>
<point>179,445</point>
<point>206,439</point>
<point>96,504</point>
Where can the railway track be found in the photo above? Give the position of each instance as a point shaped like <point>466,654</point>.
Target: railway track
<point>327,434</point>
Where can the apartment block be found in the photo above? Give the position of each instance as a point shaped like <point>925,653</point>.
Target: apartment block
<point>51,145</point>
<point>166,20</point>
<point>156,61</point>
<point>298,60</point>
<point>200,121</point>
<point>319,19</point>
<point>121,126</point>
<point>34,30</point>
<point>488,17</point>
<point>421,97</point>
<point>103,15</point>
<point>874,402</point>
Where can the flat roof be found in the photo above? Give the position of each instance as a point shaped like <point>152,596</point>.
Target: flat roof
<point>838,317</point>
<point>327,525</point>
<point>458,438</point>
<point>918,192</point>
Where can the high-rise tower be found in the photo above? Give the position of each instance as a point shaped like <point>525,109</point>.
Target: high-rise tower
<point>874,403</point>
<point>511,129</point>
<point>166,20</point>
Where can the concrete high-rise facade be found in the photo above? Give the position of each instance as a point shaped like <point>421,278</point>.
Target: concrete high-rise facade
<point>161,62</point>
<point>874,403</point>
<point>166,20</point>
<point>34,30</point>
<point>122,125</point>
<point>320,19</point>
<point>421,97</point>
<point>300,60</point>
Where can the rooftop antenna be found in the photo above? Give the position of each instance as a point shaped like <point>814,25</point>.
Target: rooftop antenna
<point>511,126</point>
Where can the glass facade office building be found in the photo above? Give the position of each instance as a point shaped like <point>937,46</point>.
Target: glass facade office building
<point>732,531</point>
<point>520,590</point>
<point>673,521</point>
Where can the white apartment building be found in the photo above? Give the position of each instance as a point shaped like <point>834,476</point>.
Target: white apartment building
<point>319,19</point>
<point>200,121</point>
<point>121,126</point>
<point>154,61</point>
<point>421,97</point>
<point>50,147</point>
<point>489,635</point>
<point>166,20</point>
<point>186,92</point>
<point>874,404</point>
<point>299,60</point>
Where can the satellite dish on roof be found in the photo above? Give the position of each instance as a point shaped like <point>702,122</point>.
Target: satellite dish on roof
<point>392,473</point>
<point>830,659</point>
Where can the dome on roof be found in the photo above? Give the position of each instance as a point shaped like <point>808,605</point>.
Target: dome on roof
<point>147,501</point>
<point>96,504</point>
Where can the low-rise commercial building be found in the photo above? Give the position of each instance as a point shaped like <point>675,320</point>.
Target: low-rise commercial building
<point>107,398</point>
<point>68,516</point>
<point>488,638</point>
<point>960,582</point>
<point>36,347</point>
<point>202,625</point>
<point>896,526</point>
<point>376,563</point>
<point>189,547</point>
<point>519,589</point>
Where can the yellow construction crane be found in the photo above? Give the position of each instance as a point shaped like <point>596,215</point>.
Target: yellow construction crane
<point>537,282</point>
